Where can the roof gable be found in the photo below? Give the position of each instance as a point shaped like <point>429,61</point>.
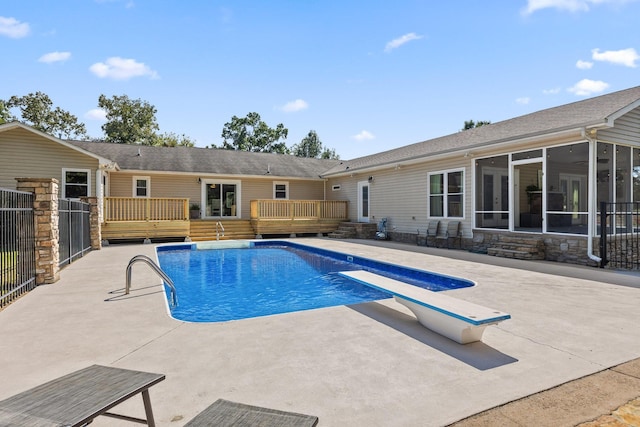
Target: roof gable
<point>5,127</point>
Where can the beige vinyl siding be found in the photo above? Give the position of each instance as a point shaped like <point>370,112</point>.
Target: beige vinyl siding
<point>27,155</point>
<point>626,129</point>
<point>187,186</point>
<point>401,194</point>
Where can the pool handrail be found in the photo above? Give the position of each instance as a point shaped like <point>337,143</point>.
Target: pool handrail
<point>219,224</point>
<point>156,268</point>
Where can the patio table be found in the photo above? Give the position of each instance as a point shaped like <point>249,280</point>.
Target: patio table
<point>79,397</point>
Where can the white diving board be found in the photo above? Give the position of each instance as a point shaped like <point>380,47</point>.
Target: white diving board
<point>459,320</point>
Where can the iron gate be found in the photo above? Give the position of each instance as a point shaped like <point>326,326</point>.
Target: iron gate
<point>75,232</point>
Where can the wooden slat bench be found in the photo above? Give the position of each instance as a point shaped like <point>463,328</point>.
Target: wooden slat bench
<point>461,321</point>
<point>79,397</point>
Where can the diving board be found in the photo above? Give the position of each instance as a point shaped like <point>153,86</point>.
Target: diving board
<point>459,320</point>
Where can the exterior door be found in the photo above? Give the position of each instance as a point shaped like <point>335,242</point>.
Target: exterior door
<point>495,198</point>
<point>363,201</point>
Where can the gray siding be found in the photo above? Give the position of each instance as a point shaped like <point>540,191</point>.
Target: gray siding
<point>626,129</point>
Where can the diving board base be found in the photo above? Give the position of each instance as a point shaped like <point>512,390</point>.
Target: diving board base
<point>462,321</point>
<point>443,324</point>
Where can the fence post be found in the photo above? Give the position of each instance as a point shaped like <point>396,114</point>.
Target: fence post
<point>47,233</point>
<point>603,234</point>
<point>94,222</point>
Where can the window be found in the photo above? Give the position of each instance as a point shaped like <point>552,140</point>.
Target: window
<point>446,194</point>
<point>76,183</point>
<point>141,186</point>
<point>280,190</point>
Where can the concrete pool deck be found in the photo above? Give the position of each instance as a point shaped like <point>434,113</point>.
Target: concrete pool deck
<point>364,365</point>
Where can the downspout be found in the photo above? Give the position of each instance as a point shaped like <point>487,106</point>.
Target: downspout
<point>593,158</point>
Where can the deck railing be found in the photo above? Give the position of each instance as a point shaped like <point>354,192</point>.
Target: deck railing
<point>299,209</point>
<point>117,209</point>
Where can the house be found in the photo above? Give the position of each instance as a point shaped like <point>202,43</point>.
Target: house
<point>534,180</point>
<point>526,187</point>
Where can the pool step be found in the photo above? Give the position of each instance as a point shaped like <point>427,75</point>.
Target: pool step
<point>202,230</point>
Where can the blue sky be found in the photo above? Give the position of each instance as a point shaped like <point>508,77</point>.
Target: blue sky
<point>367,76</point>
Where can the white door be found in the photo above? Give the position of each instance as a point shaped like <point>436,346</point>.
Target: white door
<point>363,201</point>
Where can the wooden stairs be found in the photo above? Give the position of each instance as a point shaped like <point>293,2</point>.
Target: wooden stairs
<point>525,247</point>
<point>202,230</point>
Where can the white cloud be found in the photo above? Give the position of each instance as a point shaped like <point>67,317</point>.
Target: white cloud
<point>396,43</point>
<point>626,57</point>
<point>364,136</point>
<point>568,5</point>
<point>584,65</point>
<point>13,28</point>
<point>553,91</point>
<point>122,69</point>
<point>523,100</point>
<point>588,87</point>
<point>294,106</point>
<point>96,114</point>
<point>50,57</point>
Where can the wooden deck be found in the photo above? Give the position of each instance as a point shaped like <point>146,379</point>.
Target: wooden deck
<point>297,216</point>
<point>149,218</point>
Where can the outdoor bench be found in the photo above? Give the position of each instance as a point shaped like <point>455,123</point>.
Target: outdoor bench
<point>459,320</point>
<point>77,398</point>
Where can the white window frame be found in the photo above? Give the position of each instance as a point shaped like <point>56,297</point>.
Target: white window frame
<point>286,190</point>
<point>64,180</point>
<point>445,193</point>
<point>134,186</point>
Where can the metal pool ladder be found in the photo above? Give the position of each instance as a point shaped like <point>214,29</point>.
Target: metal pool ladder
<point>158,270</point>
<point>218,227</point>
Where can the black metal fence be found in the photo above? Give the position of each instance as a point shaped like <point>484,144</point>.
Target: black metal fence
<point>620,235</point>
<point>17,245</point>
<point>75,230</point>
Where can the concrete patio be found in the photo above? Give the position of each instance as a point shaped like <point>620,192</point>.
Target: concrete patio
<point>364,365</point>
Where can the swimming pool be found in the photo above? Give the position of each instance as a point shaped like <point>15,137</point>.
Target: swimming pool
<point>221,281</point>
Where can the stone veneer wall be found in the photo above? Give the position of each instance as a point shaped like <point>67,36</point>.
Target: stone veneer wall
<point>557,247</point>
<point>47,237</point>
<point>94,222</point>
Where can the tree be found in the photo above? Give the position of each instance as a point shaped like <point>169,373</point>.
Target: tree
<point>470,124</point>
<point>36,110</point>
<point>5,114</point>
<point>170,139</point>
<point>329,154</point>
<point>252,134</point>
<point>129,121</point>
<point>312,147</point>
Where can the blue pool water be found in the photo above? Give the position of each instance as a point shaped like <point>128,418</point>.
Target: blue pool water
<point>269,277</point>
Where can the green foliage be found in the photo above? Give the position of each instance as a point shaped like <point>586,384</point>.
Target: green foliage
<point>470,124</point>
<point>170,139</point>
<point>5,114</point>
<point>36,110</point>
<point>329,154</point>
<point>312,147</point>
<point>252,134</point>
<point>129,121</point>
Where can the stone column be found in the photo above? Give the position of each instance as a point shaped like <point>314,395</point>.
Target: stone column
<point>47,244</point>
<point>94,222</point>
